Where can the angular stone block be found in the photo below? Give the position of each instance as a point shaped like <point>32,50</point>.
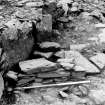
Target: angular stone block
<point>99,60</point>
<point>80,60</point>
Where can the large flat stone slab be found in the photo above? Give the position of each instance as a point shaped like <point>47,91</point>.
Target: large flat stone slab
<point>37,65</point>
<point>80,60</point>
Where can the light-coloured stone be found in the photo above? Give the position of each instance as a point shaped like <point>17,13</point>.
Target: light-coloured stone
<point>73,9</point>
<point>84,90</point>
<point>80,60</point>
<point>49,98</point>
<point>63,94</point>
<point>36,65</point>
<point>94,39</point>
<point>78,47</point>
<point>100,25</point>
<point>102,36</point>
<point>98,96</point>
<point>67,66</point>
<point>49,44</point>
<point>79,68</point>
<point>99,60</point>
<point>60,54</point>
<point>65,60</point>
<point>44,54</point>
<point>34,4</point>
<point>12,75</point>
<point>75,4</point>
<point>1,85</point>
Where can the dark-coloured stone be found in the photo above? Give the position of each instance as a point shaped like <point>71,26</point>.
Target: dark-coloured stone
<point>78,74</point>
<point>25,81</point>
<point>17,42</point>
<point>53,75</point>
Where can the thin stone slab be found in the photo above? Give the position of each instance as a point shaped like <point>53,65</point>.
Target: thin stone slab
<point>80,60</point>
<point>37,65</point>
<point>43,54</point>
<point>49,46</point>
<point>53,75</point>
<point>99,60</point>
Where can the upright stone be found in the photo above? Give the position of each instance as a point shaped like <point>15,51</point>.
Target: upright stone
<point>46,23</point>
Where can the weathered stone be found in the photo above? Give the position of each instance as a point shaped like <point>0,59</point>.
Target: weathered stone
<point>62,79</point>
<point>53,75</point>
<point>78,68</point>
<point>94,39</point>
<point>78,47</point>
<point>38,80</point>
<point>84,90</point>
<point>34,4</point>
<point>102,36</point>
<point>37,65</point>
<point>63,94</point>
<point>75,4</point>
<point>80,91</point>
<point>17,42</point>
<point>25,81</point>
<point>49,99</point>
<point>28,14</point>
<point>98,96</point>
<point>65,60</point>
<point>12,75</point>
<point>44,54</point>
<point>99,60</point>
<point>100,25</point>
<point>63,20</point>
<point>80,60</point>
<point>78,74</point>
<point>47,81</point>
<point>23,1</point>
<point>78,100</point>
<point>50,46</point>
<point>67,66</point>
<point>60,54</point>
<point>75,90</point>
<point>46,23</point>
<point>73,9</point>
<point>1,85</point>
